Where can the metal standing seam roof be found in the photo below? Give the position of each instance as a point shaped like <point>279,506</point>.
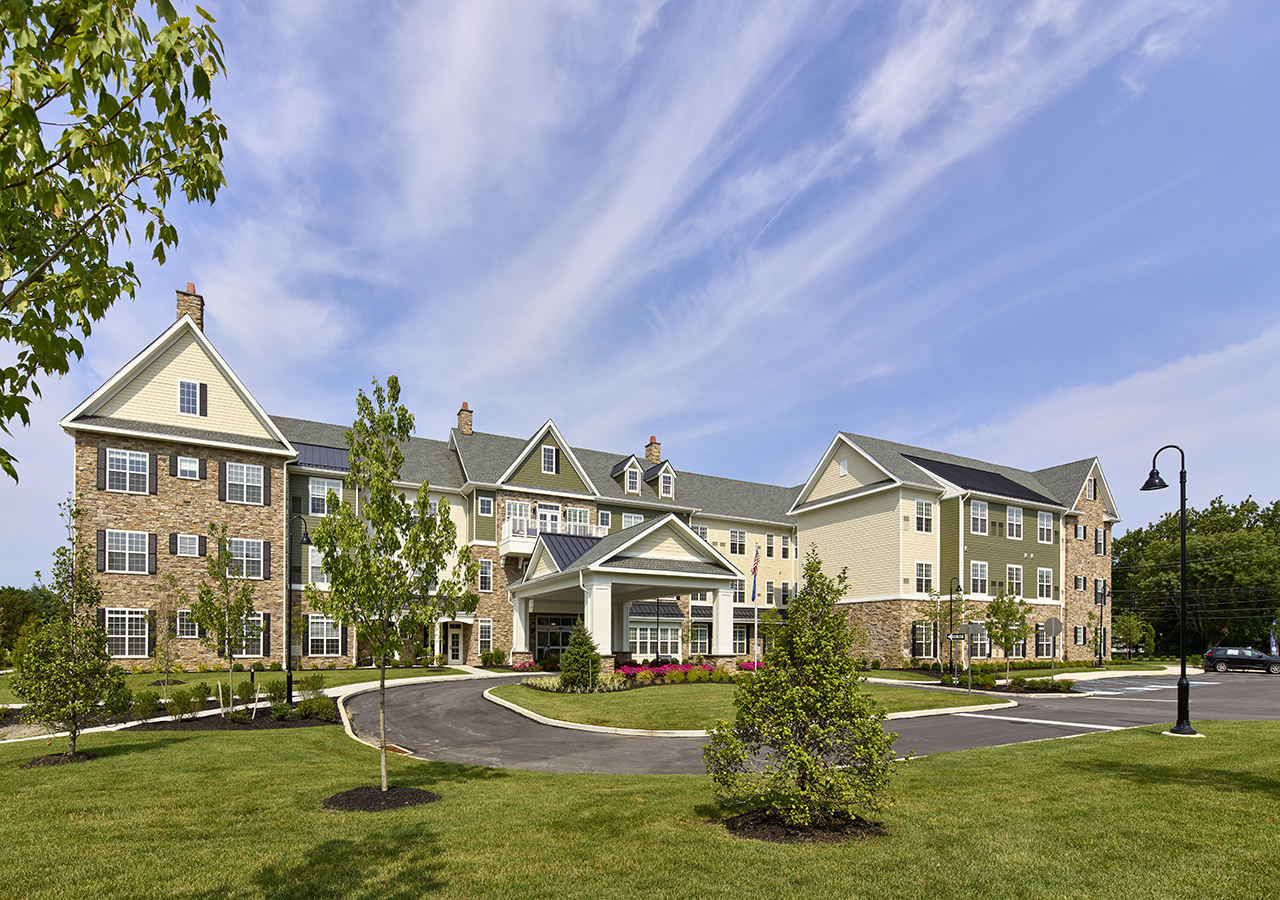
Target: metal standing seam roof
<point>424,459</point>
<point>565,548</point>
<point>322,457</point>
<point>646,609</point>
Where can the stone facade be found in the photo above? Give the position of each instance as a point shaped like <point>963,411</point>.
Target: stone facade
<point>1083,560</point>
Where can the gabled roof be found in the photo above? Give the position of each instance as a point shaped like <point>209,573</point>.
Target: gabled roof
<point>535,442</point>
<point>623,464</point>
<point>657,469</point>
<point>424,459</point>
<point>983,481</point>
<point>1067,481</point>
<point>565,548</point>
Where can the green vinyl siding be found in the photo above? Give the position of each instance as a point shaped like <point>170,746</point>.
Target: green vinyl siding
<point>948,525</point>
<point>300,489</point>
<point>999,552</point>
<point>485,528</point>
<point>530,472</point>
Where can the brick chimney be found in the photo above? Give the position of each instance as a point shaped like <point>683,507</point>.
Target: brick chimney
<point>653,450</point>
<point>464,419</point>
<point>191,304</point>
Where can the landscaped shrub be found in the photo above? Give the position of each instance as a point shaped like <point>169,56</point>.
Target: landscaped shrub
<point>202,667</point>
<point>281,711</point>
<point>644,677</point>
<point>322,708</point>
<point>676,677</point>
<point>875,663</point>
<point>145,705</point>
<point>486,657</point>
<point>237,667</point>
<point>605,684</point>
<point>259,667</point>
<point>276,690</point>
<point>1018,683</point>
<point>580,662</point>
<point>499,656</point>
<point>200,694</point>
<point>181,704</point>
<point>946,680</point>
<point>238,716</point>
<point>276,667</point>
<point>246,692</point>
<point>311,686</point>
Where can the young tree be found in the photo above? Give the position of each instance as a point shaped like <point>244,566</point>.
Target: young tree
<point>949,612</point>
<point>95,130</point>
<point>1131,628</point>
<point>385,563</point>
<point>806,741</point>
<point>580,662</point>
<point>65,674</point>
<point>166,630</point>
<point>15,609</point>
<point>1006,620</point>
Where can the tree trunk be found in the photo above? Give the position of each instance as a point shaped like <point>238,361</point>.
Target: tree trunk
<point>382,717</point>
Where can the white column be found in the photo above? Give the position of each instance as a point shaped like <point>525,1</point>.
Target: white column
<point>598,614</point>
<point>520,626</point>
<point>722,623</point>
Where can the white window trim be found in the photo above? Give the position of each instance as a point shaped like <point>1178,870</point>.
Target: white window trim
<point>129,456</point>
<point>181,382</point>
<point>324,484</point>
<point>741,545</point>
<point>255,621</point>
<point>480,505</point>
<point>667,486</point>
<point>631,480</point>
<point>1009,572</point>
<point>768,593</point>
<point>768,546</point>
<point>629,519</point>
<point>606,518</point>
<point>1042,584</point>
<point>246,543</point>
<point>145,552</point>
<point>244,483</point>
<point>924,517</point>
<point>699,638</point>
<point>552,448</point>
<point>974,578</point>
<point>480,634</point>
<point>195,467</point>
<point>844,467</point>
<point>183,622</point>
<point>193,544</point>
<point>924,577</point>
<point>785,543</point>
<point>485,577</point>
<point>976,507</point>
<point>315,560</point>
<point>1010,522</point>
<point>128,616</point>
<point>1041,529</point>
<point>740,639</point>
<point>327,625</point>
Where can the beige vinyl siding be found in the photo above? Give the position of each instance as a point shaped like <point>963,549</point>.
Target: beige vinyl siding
<point>863,535</point>
<point>664,543</point>
<point>545,566</point>
<point>776,569</point>
<point>861,473</point>
<point>152,394</point>
<point>918,546</point>
<point>530,472</point>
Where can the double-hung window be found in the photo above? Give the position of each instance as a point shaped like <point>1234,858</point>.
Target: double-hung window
<point>786,593</point>
<point>188,467</point>
<point>244,483</point>
<point>189,397</point>
<point>1091,489</point>
<point>606,518</point>
<point>127,471</point>
<point>1014,523</point>
<point>1044,643</point>
<point>924,639</point>
<point>188,545</point>
<point>739,638</point>
<point>1080,636</point>
<point>737,542</point>
<point>924,516</point>
<point>699,638</point>
<point>549,461</point>
<point>633,481</point>
<point>1013,576</point>
<point>977,578</point>
<point>1044,527</point>
<point>768,546</point>
<point>484,506</point>
<point>924,580</point>
<point>980,645</point>
<point>978,516</point>
<point>186,625</point>
<point>1082,532</point>
<point>1099,591</point>
<point>251,642</point>
<point>246,558</point>
<point>486,576</point>
<point>1019,650</point>
<point>317,574</point>
<point>768,592</point>
<point>319,489</point>
<point>1100,541</point>
<point>1044,581</point>
<point>578,520</point>
<point>629,519</point>
<point>486,635</point>
<point>1080,582</point>
<point>786,547</point>
<point>701,531</point>
<point>739,591</point>
<point>323,636</point>
<point>127,552</point>
<point>126,632</point>
<point>667,485</point>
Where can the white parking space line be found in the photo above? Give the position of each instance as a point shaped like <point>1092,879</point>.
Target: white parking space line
<point>1044,722</point>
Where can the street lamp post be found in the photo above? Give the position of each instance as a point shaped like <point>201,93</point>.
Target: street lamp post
<point>951,623</point>
<point>288,608</point>
<point>1154,483</point>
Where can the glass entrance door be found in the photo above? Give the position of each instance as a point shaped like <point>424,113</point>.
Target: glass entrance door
<point>455,644</point>
<point>548,518</point>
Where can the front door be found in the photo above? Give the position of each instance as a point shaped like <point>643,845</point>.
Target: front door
<point>455,644</point>
<point>548,518</point>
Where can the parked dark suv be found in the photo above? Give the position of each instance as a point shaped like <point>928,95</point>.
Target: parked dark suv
<point>1219,659</point>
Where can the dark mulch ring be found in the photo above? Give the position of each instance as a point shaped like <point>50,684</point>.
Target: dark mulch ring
<point>218,723</point>
<point>161,683</point>
<point>372,798</point>
<point>56,759</point>
<point>769,825</point>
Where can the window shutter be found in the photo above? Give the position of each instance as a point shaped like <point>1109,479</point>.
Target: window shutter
<point>557,472</point>
<point>173,544</point>
<point>102,618</point>
<point>222,480</point>
<point>200,632</point>
<point>222,650</point>
<point>343,629</point>
<point>204,399</point>
<point>102,551</point>
<point>173,465</point>
<point>204,469</point>
<point>151,554</point>
<point>266,560</point>
<point>297,506</point>
<point>266,485</point>
<point>151,474</point>
<point>151,633</point>
<point>306,634</point>
<point>102,469</point>
<point>204,546</point>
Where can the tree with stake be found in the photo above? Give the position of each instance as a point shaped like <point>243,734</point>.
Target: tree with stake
<point>1006,620</point>
<point>806,741</point>
<point>384,564</point>
<point>223,608</point>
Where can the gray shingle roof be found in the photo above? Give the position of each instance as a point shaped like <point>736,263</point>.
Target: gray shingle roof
<point>222,437</point>
<point>1066,481</point>
<point>424,459</point>
<point>683,566</point>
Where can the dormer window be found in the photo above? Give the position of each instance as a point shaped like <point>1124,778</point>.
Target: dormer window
<point>667,486</point>
<point>633,481</point>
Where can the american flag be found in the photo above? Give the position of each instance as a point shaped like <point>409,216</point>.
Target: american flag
<point>755,565</point>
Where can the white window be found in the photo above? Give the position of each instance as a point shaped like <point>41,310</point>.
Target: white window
<point>189,398</point>
<point>701,531</point>
<point>980,645</point>
<point>518,514</point>
<point>1014,528</point>
<point>485,506</point>
<point>1014,576</point>
<point>188,545</point>
<point>699,638</point>
<point>252,643</point>
<point>844,467</point>
<point>737,542</point>
<point>323,636</point>
<point>1099,591</point>
<point>606,519</point>
<point>1080,582</point>
<point>1044,643</point>
<point>186,626</point>
<point>188,467</point>
<point>1100,541</point>
<point>924,517</point>
<point>768,592</point>
<point>578,518</point>
<point>786,547</point>
<point>1082,533</point>
<point>1091,489</point>
<point>977,577</point>
<point>629,519</point>
<point>246,558</point>
<point>244,483</point>
<point>127,471</point>
<point>548,460</point>
<point>127,632</point>
<point>768,546</point>
<point>317,574</point>
<point>924,579</point>
<point>739,638</point>
<point>924,639</point>
<point>645,641</point>
<point>978,516</point>
<point>1044,529</point>
<point>1081,638</point>
<point>127,552</point>
<point>668,485</point>
<point>1019,650</point>
<point>486,635</point>
<point>1044,581</point>
<point>633,481</point>
<point>486,576</point>
<point>786,592</point>
<point>319,490</point>
<point>739,591</point>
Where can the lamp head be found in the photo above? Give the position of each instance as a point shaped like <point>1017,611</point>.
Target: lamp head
<point>306,537</point>
<point>1154,482</point>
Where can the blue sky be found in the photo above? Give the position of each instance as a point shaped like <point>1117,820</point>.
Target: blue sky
<point>1028,233</point>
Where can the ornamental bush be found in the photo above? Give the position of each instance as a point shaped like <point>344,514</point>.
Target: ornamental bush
<point>322,708</point>
<point>181,704</point>
<point>145,705</point>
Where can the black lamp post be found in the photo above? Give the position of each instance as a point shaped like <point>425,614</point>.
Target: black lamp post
<point>288,609</point>
<point>1154,483</point>
<point>951,623</point>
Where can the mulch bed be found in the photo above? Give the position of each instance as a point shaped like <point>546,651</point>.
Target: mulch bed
<point>372,798</point>
<point>56,759</point>
<point>218,723</point>
<point>768,825</point>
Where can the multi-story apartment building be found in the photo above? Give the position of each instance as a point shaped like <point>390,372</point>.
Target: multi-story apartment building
<point>656,560</point>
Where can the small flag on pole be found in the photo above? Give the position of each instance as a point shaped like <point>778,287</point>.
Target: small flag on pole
<point>754,566</point>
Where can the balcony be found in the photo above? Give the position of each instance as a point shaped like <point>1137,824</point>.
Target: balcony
<point>519,534</point>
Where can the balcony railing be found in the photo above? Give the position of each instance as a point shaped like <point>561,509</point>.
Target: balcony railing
<point>516,527</point>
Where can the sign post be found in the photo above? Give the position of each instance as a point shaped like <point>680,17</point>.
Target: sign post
<point>1052,629</point>
<point>976,630</point>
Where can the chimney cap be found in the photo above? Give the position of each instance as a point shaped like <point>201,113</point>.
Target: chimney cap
<point>191,287</point>
<point>464,404</point>
<point>653,439</point>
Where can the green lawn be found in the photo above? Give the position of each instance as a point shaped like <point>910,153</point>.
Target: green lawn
<point>332,678</point>
<point>900,675</point>
<point>1126,815</point>
<point>1060,672</point>
<point>691,707</point>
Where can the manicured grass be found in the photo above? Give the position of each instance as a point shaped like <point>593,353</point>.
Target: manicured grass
<point>690,707</point>
<point>1124,815</point>
<point>332,678</point>
<point>900,675</point>
<point>1060,672</point>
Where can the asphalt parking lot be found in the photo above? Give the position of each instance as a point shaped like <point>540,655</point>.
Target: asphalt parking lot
<point>452,722</point>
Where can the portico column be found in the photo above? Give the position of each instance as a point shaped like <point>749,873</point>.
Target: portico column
<point>520,626</point>
<point>722,624</point>
<point>597,602</point>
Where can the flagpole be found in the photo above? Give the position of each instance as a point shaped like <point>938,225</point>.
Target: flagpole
<point>755,627</point>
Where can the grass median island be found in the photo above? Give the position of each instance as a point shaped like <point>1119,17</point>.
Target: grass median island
<point>1123,815</point>
<point>691,707</point>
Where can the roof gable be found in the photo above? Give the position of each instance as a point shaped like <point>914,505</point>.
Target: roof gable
<point>861,469</point>
<point>528,469</point>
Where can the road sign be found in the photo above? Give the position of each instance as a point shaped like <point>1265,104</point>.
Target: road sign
<point>956,636</point>
<point>977,629</point>
<point>1053,628</point>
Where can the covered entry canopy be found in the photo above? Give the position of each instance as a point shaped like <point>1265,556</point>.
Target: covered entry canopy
<point>599,579</point>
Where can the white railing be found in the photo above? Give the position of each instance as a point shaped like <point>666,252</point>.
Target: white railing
<point>530,528</point>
